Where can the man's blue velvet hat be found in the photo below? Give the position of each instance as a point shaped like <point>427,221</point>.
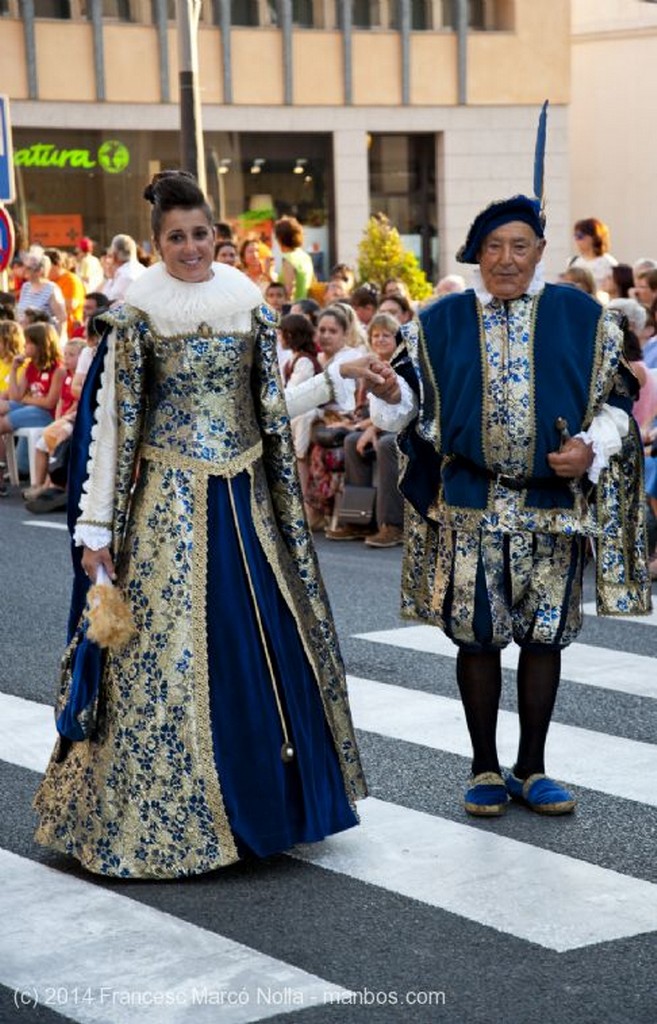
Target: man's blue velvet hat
<point>529,210</point>
<point>503,211</point>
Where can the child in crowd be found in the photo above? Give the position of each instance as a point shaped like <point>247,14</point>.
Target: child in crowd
<point>33,390</point>
<point>62,426</point>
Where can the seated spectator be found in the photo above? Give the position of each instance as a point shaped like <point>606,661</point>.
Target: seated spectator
<point>93,333</point>
<point>225,251</point>
<point>366,447</point>
<point>253,265</point>
<point>638,267</point>
<point>579,277</point>
<point>591,238</point>
<point>449,284</point>
<point>62,426</point>
<point>364,300</point>
<point>298,338</point>
<point>333,331</point>
<point>12,344</point>
<point>619,282</point>
<point>71,287</point>
<point>308,308</point>
<point>34,395</point>
<point>645,289</point>
<point>343,272</point>
<point>276,296</point>
<point>88,267</point>
<point>39,292</point>
<point>395,286</point>
<point>122,268</point>
<point>398,306</point>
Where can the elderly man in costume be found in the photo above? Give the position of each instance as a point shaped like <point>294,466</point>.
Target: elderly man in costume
<point>488,390</point>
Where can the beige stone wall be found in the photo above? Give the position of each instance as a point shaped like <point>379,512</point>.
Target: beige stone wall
<point>65,67</point>
<point>613,148</point>
<point>318,63</point>
<point>13,69</point>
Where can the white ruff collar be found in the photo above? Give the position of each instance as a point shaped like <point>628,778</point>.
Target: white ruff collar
<point>536,285</point>
<point>176,307</point>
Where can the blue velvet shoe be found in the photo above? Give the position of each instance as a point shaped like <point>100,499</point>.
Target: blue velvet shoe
<point>486,795</point>
<point>540,794</point>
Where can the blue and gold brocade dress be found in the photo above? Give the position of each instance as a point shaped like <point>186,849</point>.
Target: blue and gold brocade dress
<point>236,653</point>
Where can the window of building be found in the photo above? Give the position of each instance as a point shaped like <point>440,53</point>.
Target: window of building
<point>52,9</point>
<point>364,13</point>
<point>302,13</point>
<point>251,12</point>
<point>482,14</point>
<point>402,171</point>
<point>117,10</point>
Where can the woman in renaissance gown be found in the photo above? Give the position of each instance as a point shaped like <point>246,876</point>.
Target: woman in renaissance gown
<point>222,729</point>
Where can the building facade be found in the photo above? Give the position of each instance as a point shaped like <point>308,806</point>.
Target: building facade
<point>328,109</point>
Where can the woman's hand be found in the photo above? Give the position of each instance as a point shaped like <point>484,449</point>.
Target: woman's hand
<point>367,439</point>
<point>92,559</point>
<point>18,360</point>
<point>365,368</point>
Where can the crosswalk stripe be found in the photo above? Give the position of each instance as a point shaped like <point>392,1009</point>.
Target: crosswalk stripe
<point>600,761</point>
<point>27,732</point>
<point>580,663</point>
<point>556,901</point>
<point>44,524</point>
<point>609,764</point>
<point>138,964</point>
<point>643,620</point>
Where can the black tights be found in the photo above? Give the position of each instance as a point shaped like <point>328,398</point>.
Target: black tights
<point>479,678</point>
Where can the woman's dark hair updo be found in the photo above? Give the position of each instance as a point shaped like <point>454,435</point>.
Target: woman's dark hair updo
<point>174,190</point>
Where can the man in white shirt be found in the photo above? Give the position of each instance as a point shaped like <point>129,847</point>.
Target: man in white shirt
<point>126,268</point>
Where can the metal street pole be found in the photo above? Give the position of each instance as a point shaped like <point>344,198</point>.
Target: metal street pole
<point>191,131</point>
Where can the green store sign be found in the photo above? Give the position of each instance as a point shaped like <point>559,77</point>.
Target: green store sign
<point>112,156</point>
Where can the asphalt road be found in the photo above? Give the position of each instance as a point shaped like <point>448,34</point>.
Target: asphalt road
<point>426,915</point>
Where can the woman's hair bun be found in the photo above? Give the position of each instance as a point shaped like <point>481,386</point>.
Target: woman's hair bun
<point>168,188</point>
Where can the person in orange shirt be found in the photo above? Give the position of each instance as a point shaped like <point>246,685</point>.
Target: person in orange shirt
<point>71,287</point>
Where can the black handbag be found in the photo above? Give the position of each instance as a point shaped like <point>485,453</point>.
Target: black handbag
<point>356,505</point>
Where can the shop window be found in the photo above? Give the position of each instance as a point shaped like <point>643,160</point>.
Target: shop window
<point>402,170</point>
<point>52,9</point>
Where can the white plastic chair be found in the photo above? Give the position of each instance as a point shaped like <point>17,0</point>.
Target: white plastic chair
<point>32,434</point>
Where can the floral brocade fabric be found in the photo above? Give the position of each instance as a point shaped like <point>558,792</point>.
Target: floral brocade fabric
<point>144,798</point>
<point>443,549</point>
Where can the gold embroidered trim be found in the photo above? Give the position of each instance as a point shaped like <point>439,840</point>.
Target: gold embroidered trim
<point>93,522</point>
<point>172,460</point>
<point>531,453</point>
<point>213,792</point>
<point>256,609</point>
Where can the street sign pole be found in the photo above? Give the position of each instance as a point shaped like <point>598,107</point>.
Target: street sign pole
<point>6,154</point>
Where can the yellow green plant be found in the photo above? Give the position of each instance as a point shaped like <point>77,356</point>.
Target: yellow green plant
<point>381,255</point>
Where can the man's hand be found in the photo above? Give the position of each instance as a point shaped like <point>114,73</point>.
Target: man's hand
<point>378,377</point>
<point>573,458</point>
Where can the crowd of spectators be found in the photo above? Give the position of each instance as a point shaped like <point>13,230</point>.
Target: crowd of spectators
<point>49,330</point>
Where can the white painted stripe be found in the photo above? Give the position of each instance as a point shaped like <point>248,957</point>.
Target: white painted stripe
<point>94,955</point>
<point>644,620</point>
<point>609,764</point>
<point>580,663</point>
<point>442,863</point>
<point>27,732</point>
<point>556,901</point>
<point>44,524</point>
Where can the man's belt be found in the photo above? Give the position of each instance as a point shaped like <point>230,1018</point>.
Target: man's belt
<point>514,483</point>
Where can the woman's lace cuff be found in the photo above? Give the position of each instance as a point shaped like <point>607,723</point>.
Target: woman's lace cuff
<point>394,418</point>
<point>92,536</point>
<point>605,433</point>
<point>319,390</point>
